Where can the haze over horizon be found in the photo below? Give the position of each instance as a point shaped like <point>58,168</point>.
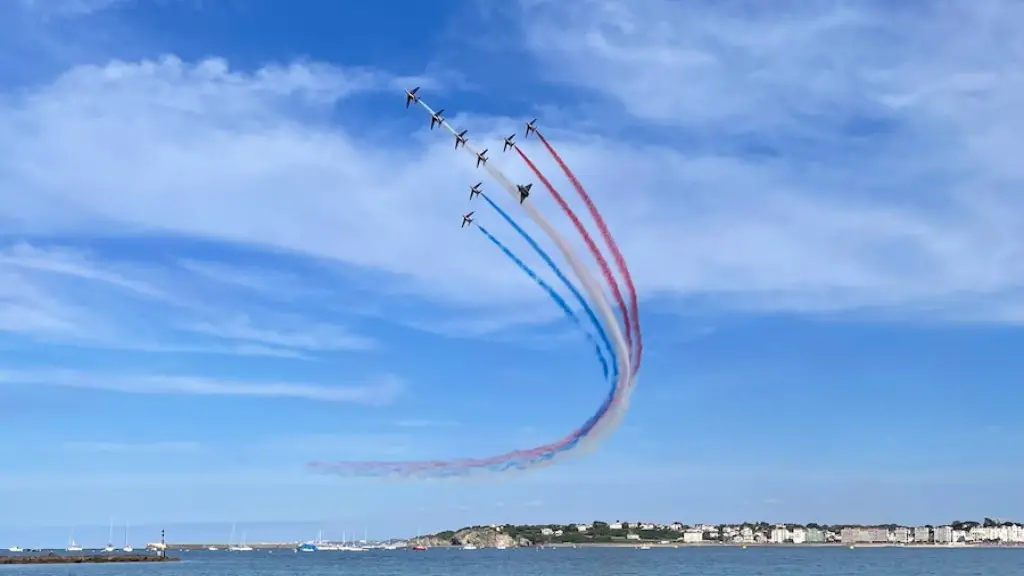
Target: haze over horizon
<point>227,249</point>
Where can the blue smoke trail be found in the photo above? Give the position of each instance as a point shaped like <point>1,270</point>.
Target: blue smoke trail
<point>554,296</point>
<point>561,276</point>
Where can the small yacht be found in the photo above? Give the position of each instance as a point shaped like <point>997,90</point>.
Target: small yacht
<point>242,547</point>
<point>110,538</point>
<point>127,547</point>
<point>15,549</point>
<point>469,547</point>
<point>72,545</point>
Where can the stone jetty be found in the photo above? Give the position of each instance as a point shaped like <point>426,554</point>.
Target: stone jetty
<point>54,558</point>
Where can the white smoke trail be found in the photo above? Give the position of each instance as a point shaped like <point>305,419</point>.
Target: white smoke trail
<point>579,269</point>
<point>623,388</point>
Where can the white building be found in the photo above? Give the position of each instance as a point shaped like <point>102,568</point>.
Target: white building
<point>582,527</point>
<point>901,535</point>
<point>615,526</point>
<point>693,536</point>
<point>779,535</point>
<point>632,536</point>
<point>798,535</point>
<point>943,534</point>
<point>922,534</point>
<point>546,531</point>
<point>814,535</point>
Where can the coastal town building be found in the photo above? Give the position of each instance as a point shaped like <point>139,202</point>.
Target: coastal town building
<point>864,535</point>
<point>943,534</point>
<point>922,534</point>
<point>901,535</point>
<point>814,536</point>
<point>693,536</point>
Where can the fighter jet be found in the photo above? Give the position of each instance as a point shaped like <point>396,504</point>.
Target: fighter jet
<point>481,158</point>
<point>524,192</point>
<point>474,190</point>
<point>466,219</point>
<point>436,119</point>
<point>410,96</point>
<point>530,127</point>
<point>460,138</point>
<point>509,143</point>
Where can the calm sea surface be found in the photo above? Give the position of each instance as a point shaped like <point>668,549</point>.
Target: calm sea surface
<point>570,562</point>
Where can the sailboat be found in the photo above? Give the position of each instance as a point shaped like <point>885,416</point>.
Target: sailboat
<point>110,538</point>
<point>127,547</point>
<point>243,547</point>
<point>72,545</point>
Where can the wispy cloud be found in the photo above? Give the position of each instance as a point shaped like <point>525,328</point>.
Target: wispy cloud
<point>72,297</point>
<point>378,391</point>
<point>306,336</point>
<point>70,263</point>
<point>132,448</point>
<point>414,423</point>
<point>70,8</point>
<point>272,284</point>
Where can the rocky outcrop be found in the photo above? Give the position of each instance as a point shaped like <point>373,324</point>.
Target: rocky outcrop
<point>479,536</point>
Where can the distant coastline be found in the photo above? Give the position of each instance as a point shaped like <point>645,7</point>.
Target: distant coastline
<point>987,533</point>
<point>784,545</point>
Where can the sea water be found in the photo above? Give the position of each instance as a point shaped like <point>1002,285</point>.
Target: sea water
<point>685,561</point>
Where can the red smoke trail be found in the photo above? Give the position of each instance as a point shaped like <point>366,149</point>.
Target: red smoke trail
<point>605,269</point>
<point>620,262</point>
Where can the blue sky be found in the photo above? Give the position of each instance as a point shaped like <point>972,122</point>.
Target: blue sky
<point>227,249</point>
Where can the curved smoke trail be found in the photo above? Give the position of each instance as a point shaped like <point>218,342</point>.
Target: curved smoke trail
<point>598,425</point>
<point>609,241</point>
<point>602,263</point>
<point>562,304</point>
<point>561,276</point>
<point>517,459</point>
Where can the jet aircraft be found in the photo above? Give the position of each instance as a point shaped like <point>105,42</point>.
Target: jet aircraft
<point>530,127</point>
<point>460,138</point>
<point>524,192</point>
<point>466,219</point>
<point>481,158</point>
<point>509,143</point>
<point>474,190</point>
<point>410,96</point>
<point>436,119</point>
